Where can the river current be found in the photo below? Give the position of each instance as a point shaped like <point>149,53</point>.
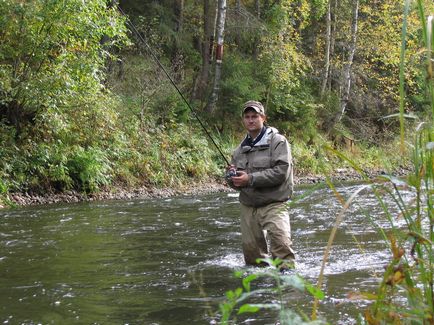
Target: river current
<point>170,261</point>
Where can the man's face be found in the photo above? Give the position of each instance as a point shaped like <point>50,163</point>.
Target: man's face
<point>253,122</point>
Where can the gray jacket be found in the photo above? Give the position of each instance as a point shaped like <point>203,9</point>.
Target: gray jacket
<point>269,162</point>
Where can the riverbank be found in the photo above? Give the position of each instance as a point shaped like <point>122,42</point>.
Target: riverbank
<point>148,191</point>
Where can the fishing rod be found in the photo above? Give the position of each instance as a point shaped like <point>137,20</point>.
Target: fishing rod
<point>141,38</point>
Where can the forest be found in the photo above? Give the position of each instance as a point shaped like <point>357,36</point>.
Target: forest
<point>85,102</point>
<point>100,95</point>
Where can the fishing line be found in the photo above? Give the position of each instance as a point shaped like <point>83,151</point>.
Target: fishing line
<point>141,38</point>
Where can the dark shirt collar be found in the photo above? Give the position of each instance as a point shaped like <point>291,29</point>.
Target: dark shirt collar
<point>248,141</point>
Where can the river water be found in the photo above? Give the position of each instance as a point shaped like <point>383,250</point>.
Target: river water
<point>170,261</point>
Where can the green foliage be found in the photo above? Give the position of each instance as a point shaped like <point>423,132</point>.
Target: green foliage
<point>410,274</point>
<point>309,160</point>
<point>239,296</point>
<point>179,153</point>
<point>4,198</point>
<point>52,57</point>
<point>289,95</point>
<point>90,168</point>
<point>244,79</point>
<point>53,103</point>
<point>297,116</point>
<point>62,128</point>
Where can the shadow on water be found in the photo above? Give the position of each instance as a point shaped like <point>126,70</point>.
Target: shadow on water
<point>171,261</point>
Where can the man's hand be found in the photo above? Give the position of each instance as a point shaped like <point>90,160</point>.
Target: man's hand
<point>241,180</point>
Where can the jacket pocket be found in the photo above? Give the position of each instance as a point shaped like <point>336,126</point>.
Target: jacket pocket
<point>241,163</point>
<point>260,163</point>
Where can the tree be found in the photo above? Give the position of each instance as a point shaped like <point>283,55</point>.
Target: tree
<point>328,37</point>
<point>202,80</point>
<point>177,56</point>
<point>346,86</point>
<point>221,18</point>
<point>52,57</point>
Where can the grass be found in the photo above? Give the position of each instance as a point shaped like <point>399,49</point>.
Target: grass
<point>405,294</point>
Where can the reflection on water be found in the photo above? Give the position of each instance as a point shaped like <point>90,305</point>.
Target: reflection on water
<point>171,261</point>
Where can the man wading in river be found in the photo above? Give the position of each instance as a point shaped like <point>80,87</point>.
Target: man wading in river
<point>264,177</point>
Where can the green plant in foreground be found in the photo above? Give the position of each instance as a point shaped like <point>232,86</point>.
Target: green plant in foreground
<point>409,274</point>
<point>405,294</point>
<point>237,300</point>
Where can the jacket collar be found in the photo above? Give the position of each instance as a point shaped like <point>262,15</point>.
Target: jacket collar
<point>262,141</point>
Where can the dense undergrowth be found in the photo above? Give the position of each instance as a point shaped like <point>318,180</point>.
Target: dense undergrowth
<point>130,138</point>
<point>150,140</point>
<point>84,107</point>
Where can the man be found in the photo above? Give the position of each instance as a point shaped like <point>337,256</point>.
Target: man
<point>264,177</point>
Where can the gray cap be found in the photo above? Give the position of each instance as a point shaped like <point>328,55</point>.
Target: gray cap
<point>256,106</point>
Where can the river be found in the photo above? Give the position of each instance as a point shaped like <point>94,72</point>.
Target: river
<point>170,261</point>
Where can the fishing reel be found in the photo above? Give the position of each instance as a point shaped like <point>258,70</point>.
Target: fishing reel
<point>231,173</point>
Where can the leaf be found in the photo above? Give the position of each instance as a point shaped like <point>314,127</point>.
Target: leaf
<point>247,280</point>
<point>314,291</point>
<point>238,274</point>
<point>409,116</point>
<point>268,260</point>
<point>248,308</point>
<point>419,238</point>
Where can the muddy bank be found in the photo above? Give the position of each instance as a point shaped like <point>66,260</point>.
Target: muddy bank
<point>211,186</point>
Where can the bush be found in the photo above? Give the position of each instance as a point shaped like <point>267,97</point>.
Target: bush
<point>89,168</point>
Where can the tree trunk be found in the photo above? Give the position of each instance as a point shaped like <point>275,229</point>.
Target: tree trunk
<point>347,68</point>
<point>327,51</point>
<point>221,18</point>
<point>202,80</point>
<point>238,15</point>
<point>332,42</point>
<point>257,37</point>
<point>258,9</point>
<point>177,57</point>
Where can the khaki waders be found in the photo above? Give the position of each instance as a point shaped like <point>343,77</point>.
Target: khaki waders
<point>274,218</point>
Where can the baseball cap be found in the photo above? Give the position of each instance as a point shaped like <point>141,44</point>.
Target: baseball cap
<point>256,106</point>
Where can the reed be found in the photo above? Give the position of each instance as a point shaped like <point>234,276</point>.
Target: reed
<point>405,294</point>
<point>409,274</point>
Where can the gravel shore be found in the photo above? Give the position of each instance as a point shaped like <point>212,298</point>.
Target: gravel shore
<point>210,186</point>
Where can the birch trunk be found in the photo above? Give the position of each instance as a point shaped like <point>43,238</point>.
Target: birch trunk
<point>326,75</point>
<point>347,69</point>
<point>221,18</point>
<point>332,42</point>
